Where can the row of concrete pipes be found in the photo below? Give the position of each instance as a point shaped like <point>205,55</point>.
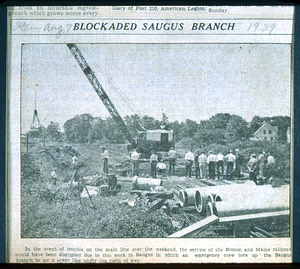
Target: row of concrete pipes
<point>236,199</point>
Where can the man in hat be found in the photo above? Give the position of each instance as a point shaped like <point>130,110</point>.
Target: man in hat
<point>211,161</point>
<point>230,160</point>
<point>105,160</point>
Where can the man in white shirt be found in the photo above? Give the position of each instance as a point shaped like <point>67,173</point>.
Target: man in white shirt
<point>220,165</point>
<point>270,159</point>
<point>230,159</point>
<point>153,163</point>
<point>74,160</point>
<point>105,160</point>
<point>202,165</point>
<point>262,159</point>
<point>172,160</point>
<point>189,159</point>
<point>270,166</point>
<point>54,176</point>
<point>135,163</point>
<point>211,161</point>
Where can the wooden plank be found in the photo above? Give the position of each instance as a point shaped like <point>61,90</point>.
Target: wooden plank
<point>163,195</point>
<point>200,225</point>
<point>152,193</point>
<point>254,234</point>
<point>208,182</point>
<point>156,204</point>
<point>257,229</point>
<point>255,216</point>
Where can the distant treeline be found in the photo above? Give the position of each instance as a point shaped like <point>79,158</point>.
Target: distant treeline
<point>220,129</point>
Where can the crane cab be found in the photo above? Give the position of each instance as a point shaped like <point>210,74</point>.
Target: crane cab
<point>159,140</point>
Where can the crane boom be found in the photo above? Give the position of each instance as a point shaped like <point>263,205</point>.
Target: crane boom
<point>100,91</point>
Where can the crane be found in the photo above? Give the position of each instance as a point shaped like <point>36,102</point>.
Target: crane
<point>101,92</point>
<point>160,140</point>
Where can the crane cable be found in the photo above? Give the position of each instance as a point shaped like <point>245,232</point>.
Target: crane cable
<point>124,98</point>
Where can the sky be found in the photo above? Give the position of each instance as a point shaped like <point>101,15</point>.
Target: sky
<point>184,81</point>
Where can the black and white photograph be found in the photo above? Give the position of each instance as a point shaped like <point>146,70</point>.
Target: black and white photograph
<point>155,140</point>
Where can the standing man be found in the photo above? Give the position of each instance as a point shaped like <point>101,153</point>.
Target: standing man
<point>105,160</point>
<point>189,159</point>
<point>211,161</point>
<point>238,163</point>
<point>270,166</point>
<point>230,159</point>
<point>197,168</point>
<point>172,160</point>
<point>153,163</point>
<point>202,165</point>
<point>74,160</point>
<point>220,165</point>
<point>135,163</point>
<point>54,176</point>
<point>253,168</point>
<point>261,164</point>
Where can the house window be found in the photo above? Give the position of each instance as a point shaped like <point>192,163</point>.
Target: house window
<point>270,131</point>
<point>265,138</point>
<point>271,138</point>
<point>264,131</point>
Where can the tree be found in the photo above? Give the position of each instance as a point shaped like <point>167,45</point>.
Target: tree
<point>97,132</point>
<point>220,120</point>
<point>177,130</point>
<point>165,119</point>
<point>53,131</point>
<point>78,128</point>
<point>237,129</point>
<point>282,122</point>
<point>150,123</point>
<point>205,137</point>
<point>112,132</point>
<point>190,127</point>
<point>255,123</point>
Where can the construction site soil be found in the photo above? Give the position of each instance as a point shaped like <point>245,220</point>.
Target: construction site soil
<point>46,214</point>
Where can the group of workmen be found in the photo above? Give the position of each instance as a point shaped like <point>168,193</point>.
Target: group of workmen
<point>212,166</point>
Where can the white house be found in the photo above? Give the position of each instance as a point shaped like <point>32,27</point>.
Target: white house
<point>266,132</point>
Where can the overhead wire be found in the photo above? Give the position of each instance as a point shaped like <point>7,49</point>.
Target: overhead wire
<point>117,89</point>
<point>124,98</point>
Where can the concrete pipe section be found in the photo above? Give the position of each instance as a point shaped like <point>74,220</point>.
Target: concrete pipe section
<point>139,183</point>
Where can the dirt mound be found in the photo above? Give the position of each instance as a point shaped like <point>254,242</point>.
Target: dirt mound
<point>38,163</point>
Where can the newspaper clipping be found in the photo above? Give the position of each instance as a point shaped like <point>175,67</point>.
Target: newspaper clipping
<point>149,134</point>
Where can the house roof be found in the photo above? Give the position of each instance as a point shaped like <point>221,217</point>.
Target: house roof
<point>264,125</point>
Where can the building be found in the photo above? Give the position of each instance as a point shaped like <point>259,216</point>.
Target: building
<point>266,132</point>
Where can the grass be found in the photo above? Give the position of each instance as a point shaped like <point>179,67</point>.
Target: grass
<point>44,216</point>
